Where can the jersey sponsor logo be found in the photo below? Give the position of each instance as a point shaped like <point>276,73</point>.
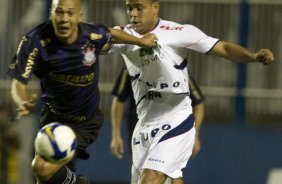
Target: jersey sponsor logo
<point>152,133</point>
<point>148,60</point>
<point>88,50</point>
<point>30,63</point>
<point>163,85</point>
<point>145,51</point>
<point>95,36</point>
<point>73,80</point>
<point>164,127</point>
<point>70,117</point>
<point>179,28</point>
<point>151,95</point>
<point>151,56</point>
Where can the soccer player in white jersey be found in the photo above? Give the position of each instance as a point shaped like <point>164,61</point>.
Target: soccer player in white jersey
<point>163,138</point>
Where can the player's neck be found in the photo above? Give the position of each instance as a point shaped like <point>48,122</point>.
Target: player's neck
<point>154,25</point>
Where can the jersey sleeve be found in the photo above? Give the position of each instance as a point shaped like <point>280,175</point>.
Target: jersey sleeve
<point>101,33</point>
<point>196,94</point>
<point>107,36</point>
<point>122,86</point>
<point>25,60</point>
<point>190,37</point>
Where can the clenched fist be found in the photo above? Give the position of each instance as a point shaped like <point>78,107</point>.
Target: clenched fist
<point>264,56</point>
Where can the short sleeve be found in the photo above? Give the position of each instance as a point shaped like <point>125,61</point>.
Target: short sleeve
<point>25,60</point>
<point>190,37</point>
<point>104,30</point>
<point>122,86</point>
<point>196,94</point>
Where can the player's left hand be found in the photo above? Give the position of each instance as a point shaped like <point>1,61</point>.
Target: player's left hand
<point>25,108</point>
<point>117,147</point>
<point>197,146</point>
<point>264,56</point>
<point>149,40</point>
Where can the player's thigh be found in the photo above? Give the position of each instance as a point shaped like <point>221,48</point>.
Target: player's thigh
<point>177,181</point>
<point>149,176</point>
<point>174,181</point>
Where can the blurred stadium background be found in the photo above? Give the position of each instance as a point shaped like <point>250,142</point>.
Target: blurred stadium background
<point>241,135</point>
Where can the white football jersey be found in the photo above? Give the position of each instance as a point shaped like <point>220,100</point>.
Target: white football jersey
<point>159,76</point>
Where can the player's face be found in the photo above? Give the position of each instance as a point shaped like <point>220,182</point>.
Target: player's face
<point>65,15</point>
<point>142,14</point>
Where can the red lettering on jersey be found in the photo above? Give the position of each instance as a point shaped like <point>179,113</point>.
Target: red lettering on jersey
<point>171,28</point>
<point>179,28</point>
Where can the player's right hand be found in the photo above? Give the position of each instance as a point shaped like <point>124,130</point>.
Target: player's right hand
<point>117,147</point>
<point>25,107</point>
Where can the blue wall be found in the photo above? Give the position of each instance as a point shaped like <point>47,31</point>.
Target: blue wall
<point>229,155</point>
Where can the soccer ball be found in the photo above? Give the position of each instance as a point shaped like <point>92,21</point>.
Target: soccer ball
<point>56,143</point>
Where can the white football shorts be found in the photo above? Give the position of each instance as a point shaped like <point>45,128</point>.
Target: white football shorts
<point>165,146</point>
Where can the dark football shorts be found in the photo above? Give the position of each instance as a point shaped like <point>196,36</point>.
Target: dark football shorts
<point>86,132</point>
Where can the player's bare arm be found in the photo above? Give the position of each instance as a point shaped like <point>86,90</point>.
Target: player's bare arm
<point>149,40</point>
<point>239,54</point>
<point>20,97</point>
<point>117,144</point>
<point>118,36</point>
<point>198,111</point>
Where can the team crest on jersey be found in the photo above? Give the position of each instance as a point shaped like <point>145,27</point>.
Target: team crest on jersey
<point>88,50</point>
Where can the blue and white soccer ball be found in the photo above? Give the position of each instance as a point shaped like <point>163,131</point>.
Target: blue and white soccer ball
<point>56,143</point>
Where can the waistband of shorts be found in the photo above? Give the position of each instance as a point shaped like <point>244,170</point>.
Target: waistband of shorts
<point>70,118</point>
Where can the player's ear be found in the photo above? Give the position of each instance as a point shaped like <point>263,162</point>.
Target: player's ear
<point>156,7</point>
<point>80,15</point>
